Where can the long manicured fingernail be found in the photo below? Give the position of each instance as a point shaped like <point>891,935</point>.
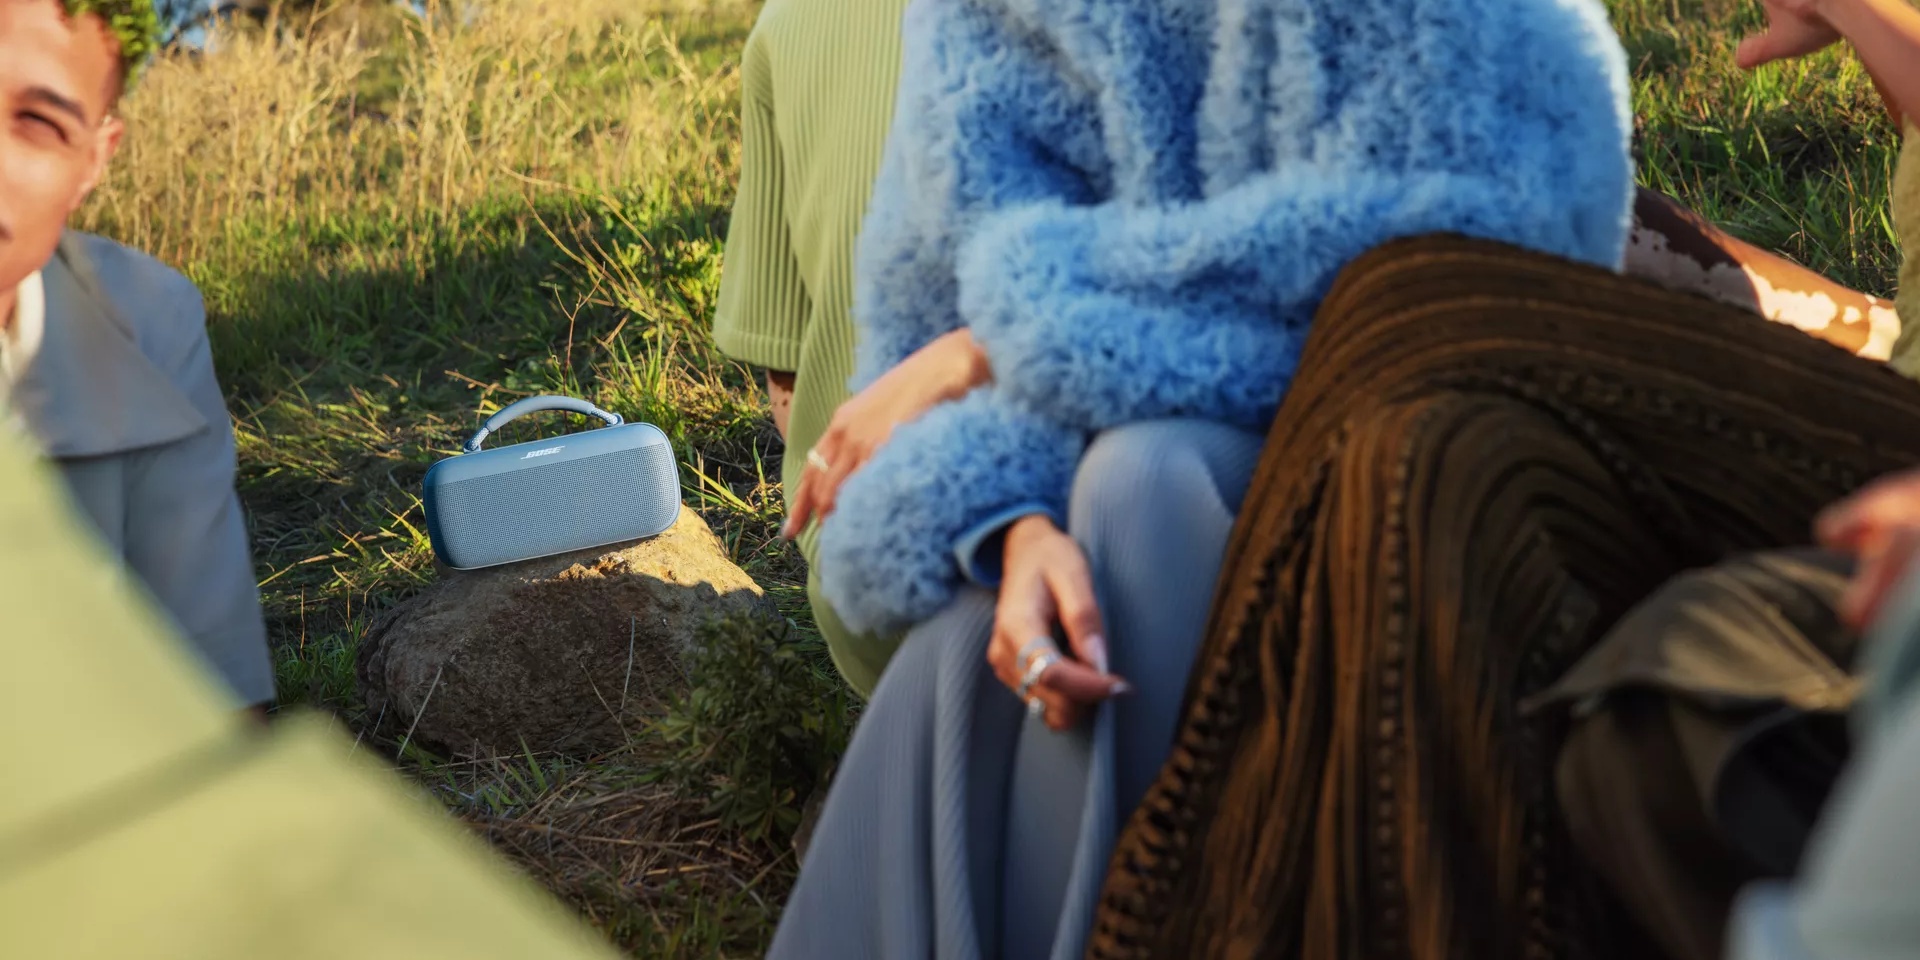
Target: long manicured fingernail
<point>1120,688</point>
<point>1097,651</point>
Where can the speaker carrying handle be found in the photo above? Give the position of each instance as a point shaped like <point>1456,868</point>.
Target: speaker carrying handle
<point>520,408</point>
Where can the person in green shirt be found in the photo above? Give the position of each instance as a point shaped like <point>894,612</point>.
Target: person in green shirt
<point>817,88</point>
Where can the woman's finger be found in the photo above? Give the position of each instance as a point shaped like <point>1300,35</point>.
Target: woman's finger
<point>1883,568</point>
<point>1791,32</point>
<point>1009,656</point>
<point>1840,526</point>
<point>1003,655</point>
<point>1061,713</point>
<point>802,510</point>
<point>1071,584</point>
<point>1023,630</point>
<point>1889,502</point>
<point>827,492</point>
<point>1066,678</point>
<point>806,499</point>
<point>1081,683</point>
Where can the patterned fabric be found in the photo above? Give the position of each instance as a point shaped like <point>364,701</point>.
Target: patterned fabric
<point>1488,458</point>
<point>1135,207</point>
<point>1677,248</point>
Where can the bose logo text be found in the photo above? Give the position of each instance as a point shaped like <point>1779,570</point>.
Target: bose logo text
<point>550,451</point>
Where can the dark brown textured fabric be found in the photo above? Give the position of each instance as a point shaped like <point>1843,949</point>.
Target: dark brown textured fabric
<point>1487,457</point>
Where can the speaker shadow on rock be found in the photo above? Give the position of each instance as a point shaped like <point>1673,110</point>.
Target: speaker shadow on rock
<point>570,654</point>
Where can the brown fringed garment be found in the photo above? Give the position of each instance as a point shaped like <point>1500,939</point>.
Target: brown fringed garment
<point>1487,457</point>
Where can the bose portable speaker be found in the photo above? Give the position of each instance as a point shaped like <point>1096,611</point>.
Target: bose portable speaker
<point>604,486</point>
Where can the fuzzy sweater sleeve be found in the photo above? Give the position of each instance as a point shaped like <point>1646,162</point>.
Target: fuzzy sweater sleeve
<point>986,120</point>
<point>1106,315</point>
<point>1126,248</point>
<point>886,554</point>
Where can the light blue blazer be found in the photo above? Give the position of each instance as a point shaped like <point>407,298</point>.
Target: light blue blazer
<point>122,395</point>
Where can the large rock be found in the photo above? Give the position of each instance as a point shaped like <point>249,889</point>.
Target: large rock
<point>568,653</point>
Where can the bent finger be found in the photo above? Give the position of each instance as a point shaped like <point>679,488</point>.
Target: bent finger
<point>1774,45</point>
<point>1077,609</point>
<point>1894,502</point>
<point>806,499</point>
<point>1081,682</point>
<point>802,510</point>
<point>1062,713</point>
<point>842,466</point>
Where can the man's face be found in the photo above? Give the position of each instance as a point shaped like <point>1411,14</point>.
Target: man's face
<point>58,80</point>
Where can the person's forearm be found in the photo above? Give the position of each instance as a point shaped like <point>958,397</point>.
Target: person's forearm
<point>1886,34</point>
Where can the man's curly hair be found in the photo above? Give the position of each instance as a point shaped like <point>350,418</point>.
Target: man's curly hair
<point>131,22</point>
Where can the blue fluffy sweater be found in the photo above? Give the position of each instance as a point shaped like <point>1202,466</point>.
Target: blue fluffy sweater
<point>1136,206</point>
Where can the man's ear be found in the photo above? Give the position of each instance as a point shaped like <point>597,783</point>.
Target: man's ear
<point>106,143</point>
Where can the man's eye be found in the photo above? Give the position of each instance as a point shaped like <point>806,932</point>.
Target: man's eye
<point>43,125</point>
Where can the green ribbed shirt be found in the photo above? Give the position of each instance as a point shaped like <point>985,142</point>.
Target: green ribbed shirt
<point>817,88</point>
<point>1906,219</point>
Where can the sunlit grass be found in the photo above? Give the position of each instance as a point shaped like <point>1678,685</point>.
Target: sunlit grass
<point>401,226</point>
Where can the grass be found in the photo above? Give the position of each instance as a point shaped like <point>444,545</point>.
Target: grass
<point>400,226</point>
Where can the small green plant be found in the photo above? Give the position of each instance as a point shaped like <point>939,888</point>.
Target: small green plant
<point>131,22</point>
<point>757,730</point>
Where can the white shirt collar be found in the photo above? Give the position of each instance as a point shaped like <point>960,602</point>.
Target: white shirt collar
<point>21,340</point>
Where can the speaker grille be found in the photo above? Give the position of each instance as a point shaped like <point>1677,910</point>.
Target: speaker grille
<point>540,511</point>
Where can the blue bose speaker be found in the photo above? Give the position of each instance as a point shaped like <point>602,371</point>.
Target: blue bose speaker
<point>592,489</point>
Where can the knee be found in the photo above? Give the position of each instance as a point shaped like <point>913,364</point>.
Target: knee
<point>1139,468</point>
<point>914,673</point>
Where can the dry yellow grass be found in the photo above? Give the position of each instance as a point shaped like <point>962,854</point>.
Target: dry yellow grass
<point>401,223</point>
<point>398,114</point>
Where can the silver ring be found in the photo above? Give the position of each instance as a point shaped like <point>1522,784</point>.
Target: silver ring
<point>1036,709</point>
<point>1034,648</point>
<point>818,462</point>
<point>1036,668</point>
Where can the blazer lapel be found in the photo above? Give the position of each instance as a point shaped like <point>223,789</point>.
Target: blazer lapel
<point>91,391</point>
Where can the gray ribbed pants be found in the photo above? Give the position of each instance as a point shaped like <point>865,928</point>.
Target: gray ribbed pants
<point>959,828</point>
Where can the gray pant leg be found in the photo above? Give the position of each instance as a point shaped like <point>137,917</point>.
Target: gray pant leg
<point>1153,506</point>
<point>907,850</point>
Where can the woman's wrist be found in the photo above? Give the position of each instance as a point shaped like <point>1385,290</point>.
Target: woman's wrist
<point>1026,529</point>
<point>970,366</point>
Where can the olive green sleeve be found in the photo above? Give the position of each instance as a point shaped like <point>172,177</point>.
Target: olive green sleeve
<point>764,305</point>
<point>133,790</point>
<point>1906,219</point>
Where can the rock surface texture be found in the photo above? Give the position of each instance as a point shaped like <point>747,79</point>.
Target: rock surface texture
<point>568,653</point>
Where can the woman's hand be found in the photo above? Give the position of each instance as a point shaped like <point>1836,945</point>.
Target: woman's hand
<point>1045,581</point>
<point>1795,28</point>
<point>1880,527</point>
<point>943,370</point>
